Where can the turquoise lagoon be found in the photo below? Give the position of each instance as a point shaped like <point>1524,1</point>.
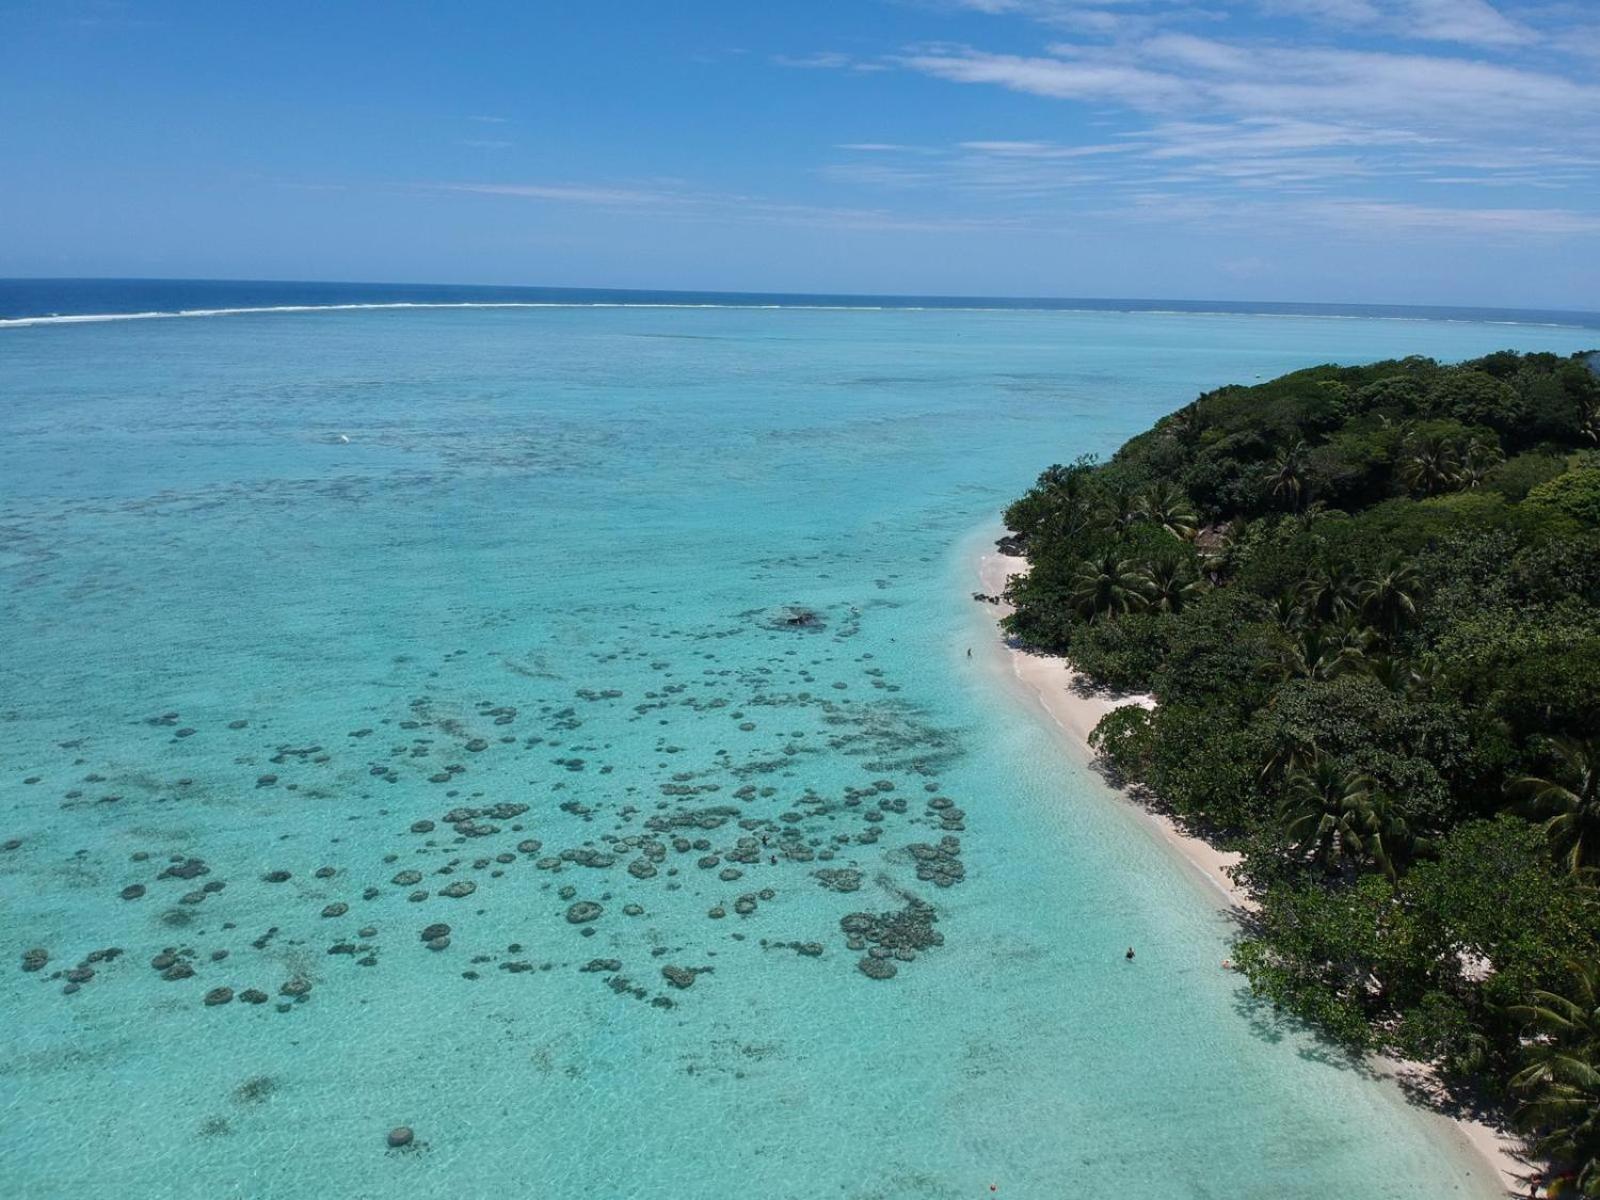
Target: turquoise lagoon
<point>551,567</point>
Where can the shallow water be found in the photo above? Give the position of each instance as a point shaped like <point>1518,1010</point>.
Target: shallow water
<point>552,567</point>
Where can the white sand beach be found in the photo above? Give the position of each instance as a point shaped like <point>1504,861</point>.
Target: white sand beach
<point>1051,683</point>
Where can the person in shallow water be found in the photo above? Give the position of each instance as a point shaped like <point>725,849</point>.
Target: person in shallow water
<point>1129,954</point>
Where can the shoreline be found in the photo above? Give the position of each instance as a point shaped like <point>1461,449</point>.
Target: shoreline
<point>1050,683</point>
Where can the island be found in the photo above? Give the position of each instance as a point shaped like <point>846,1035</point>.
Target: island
<point>1362,607</point>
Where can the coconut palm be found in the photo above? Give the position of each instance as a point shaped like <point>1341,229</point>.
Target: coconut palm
<point>1285,475</point>
<point>1336,816</point>
<point>1167,585</point>
<point>1392,671</point>
<point>1288,611</point>
<point>1478,460</point>
<point>1589,420</point>
<point>1432,465</point>
<point>1315,512</point>
<point>1571,797</point>
<point>1068,502</point>
<point>1293,753</point>
<point>1389,595</point>
<point>1330,591</point>
<point>1321,652</point>
<point>1116,508</point>
<point>1166,506</point>
<point>1106,586</point>
<point>1562,1078</point>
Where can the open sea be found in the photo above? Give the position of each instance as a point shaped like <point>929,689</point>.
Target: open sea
<point>624,635</point>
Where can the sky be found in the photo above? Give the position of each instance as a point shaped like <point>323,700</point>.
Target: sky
<point>1383,151</point>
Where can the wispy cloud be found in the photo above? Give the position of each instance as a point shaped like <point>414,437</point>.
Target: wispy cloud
<point>1465,22</point>
<point>689,204</point>
<point>610,197</point>
<point>828,60</point>
<point>1468,22</point>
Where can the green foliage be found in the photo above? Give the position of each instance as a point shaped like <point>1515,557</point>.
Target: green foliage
<point>1122,655</point>
<point>1476,398</point>
<point>1575,493</point>
<point>1323,954</point>
<point>1562,1078</point>
<point>1494,895</point>
<point>1125,739</point>
<point>1518,476</point>
<point>1375,645</point>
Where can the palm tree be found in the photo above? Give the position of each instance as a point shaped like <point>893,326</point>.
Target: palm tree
<point>1478,459</point>
<point>1572,798</point>
<point>1068,502</point>
<point>1389,595</point>
<point>1314,512</point>
<point>1116,508</point>
<point>1336,816</point>
<point>1431,465</point>
<point>1165,505</point>
<point>1562,1078</point>
<point>1329,591</point>
<point>1167,585</point>
<point>1106,586</point>
<point>1285,475</point>
<point>1288,611</point>
<point>1589,420</point>
<point>1293,753</point>
<point>1322,652</point>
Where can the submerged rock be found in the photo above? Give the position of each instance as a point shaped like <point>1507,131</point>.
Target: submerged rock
<point>679,977</point>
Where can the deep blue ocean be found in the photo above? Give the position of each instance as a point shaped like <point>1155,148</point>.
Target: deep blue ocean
<point>35,298</point>
<point>329,627</point>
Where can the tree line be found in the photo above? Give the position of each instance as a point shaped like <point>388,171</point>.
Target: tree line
<point>1367,602</point>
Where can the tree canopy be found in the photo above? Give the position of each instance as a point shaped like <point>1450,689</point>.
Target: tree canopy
<point>1367,602</point>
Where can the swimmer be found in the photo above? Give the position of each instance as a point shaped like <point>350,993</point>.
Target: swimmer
<point>1129,954</point>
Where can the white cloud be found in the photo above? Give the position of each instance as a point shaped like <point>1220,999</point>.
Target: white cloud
<point>609,197</point>
<point>1056,78</point>
<point>1170,72</point>
<point>1041,149</point>
<point>1391,217</point>
<point>1468,22</point>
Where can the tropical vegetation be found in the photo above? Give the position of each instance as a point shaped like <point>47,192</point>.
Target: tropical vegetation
<point>1367,603</point>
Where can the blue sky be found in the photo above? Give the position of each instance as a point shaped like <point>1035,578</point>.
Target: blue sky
<point>1407,151</point>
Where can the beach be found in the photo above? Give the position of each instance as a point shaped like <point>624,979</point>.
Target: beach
<point>1053,687</point>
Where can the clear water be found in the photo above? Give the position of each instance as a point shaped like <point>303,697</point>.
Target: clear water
<point>596,518</point>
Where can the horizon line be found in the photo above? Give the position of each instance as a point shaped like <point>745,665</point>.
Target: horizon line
<point>1589,317</point>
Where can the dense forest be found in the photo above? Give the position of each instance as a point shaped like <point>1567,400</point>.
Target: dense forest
<point>1367,602</point>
